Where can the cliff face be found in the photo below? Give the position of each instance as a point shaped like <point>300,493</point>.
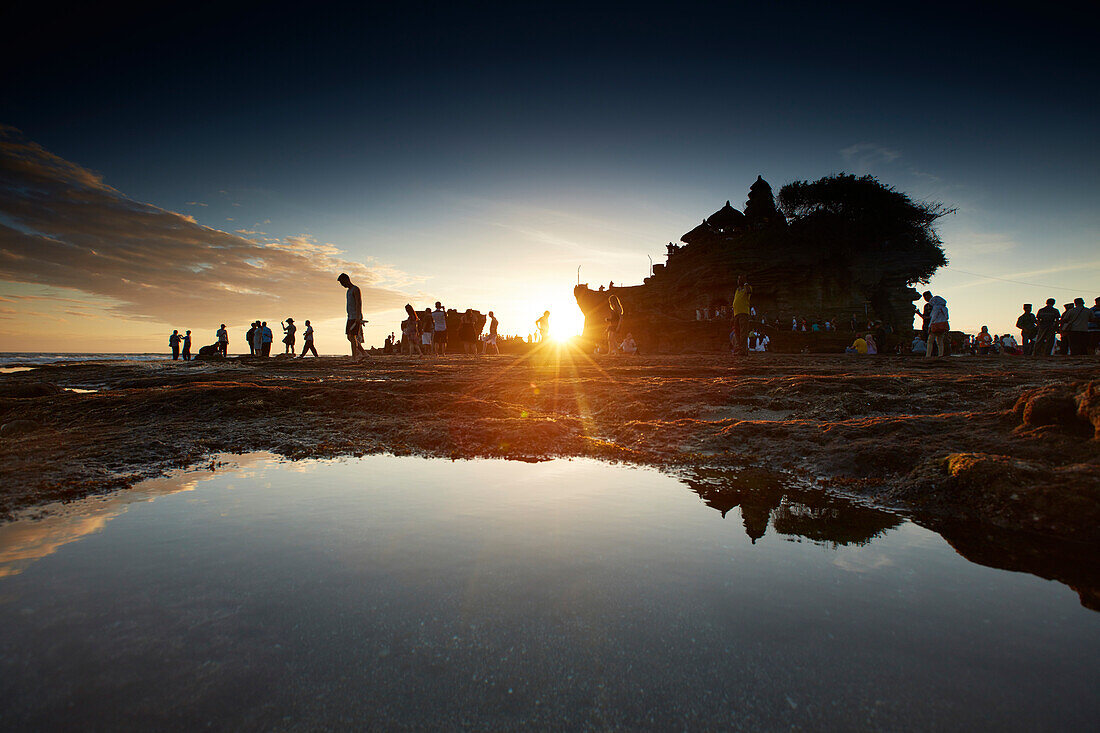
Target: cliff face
<point>685,303</point>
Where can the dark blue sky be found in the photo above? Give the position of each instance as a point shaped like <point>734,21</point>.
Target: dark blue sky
<point>488,130</point>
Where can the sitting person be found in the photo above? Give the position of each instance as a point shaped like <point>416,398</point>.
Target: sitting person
<point>1009,345</point>
<point>859,346</point>
<point>984,341</point>
<point>629,345</point>
<point>762,343</point>
<point>918,346</point>
<point>872,347</point>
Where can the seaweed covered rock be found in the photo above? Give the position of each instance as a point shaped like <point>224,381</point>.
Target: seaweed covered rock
<point>1073,407</point>
<point>24,390</point>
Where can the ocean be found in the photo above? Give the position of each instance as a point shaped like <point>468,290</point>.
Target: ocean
<point>31,358</point>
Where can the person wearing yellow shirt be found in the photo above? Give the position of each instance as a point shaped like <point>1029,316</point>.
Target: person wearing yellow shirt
<point>860,345</point>
<point>741,316</point>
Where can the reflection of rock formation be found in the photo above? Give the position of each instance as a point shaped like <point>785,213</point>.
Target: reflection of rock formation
<point>686,302</point>
<point>764,501</point>
<point>1076,564</point>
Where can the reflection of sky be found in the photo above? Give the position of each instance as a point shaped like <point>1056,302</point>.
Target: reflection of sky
<point>510,589</point>
<point>481,160</point>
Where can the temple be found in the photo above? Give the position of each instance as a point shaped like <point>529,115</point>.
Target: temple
<point>685,303</point>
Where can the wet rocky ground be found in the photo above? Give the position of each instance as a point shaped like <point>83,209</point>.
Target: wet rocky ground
<point>1008,443</point>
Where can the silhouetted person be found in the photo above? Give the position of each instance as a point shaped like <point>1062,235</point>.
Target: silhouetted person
<point>250,337</point>
<point>410,331</point>
<point>1078,328</point>
<point>307,343</point>
<point>614,323</point>
<point>1064,328</point>
<point>427,332</point>
<point>1094,326</point>
<point>266,337</point>
<point>924,316</point>
<point>223,341</point>
<point>187,347</point>
<point>1047,319</point>
<point>439,329</point>
<point>354,328</point>
<point>491,341</point>
<point>174,342</point>
<point>543,325</point>
<point>289,329</point>
<point>741,308</point>
<point>258,339</point>
<point>938,326</point>
<point>1028,327</point>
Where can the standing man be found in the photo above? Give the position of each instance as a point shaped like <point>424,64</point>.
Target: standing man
<point>1094,327</point>
<point>543,326</point>
<point>1027,325</point>
<point>250,337</point>
<point>491,342</point>
<point>1047,320</point>
<point>187,347</point>
<point>925,315</point>
<point>266,337</point>
<point>1079,317</point>
<point>741,308</point>
<point>174,342</point>
<point>223,341</point>
<point>439,329</point>
<point>307,343</point>
<point>354,328</point>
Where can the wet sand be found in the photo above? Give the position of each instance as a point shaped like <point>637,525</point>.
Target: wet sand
<point>1006,442</point>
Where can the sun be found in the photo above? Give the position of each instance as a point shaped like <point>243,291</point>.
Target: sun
<point>566,320</point>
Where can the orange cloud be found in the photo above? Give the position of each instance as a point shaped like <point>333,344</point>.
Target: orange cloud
<point>61,225</point>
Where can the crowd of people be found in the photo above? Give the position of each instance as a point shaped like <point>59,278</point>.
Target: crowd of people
<point>1075,330</point>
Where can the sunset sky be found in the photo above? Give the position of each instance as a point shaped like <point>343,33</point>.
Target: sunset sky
<point>224,162</point>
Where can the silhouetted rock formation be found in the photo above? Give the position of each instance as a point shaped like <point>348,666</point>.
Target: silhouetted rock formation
<point>686,303</point>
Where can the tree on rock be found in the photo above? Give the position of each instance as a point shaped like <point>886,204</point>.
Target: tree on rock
<point>886,238</point>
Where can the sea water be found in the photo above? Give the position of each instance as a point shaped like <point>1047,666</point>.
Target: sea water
<point>407,592</point>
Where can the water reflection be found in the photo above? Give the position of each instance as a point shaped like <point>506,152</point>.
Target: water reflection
<point>41,532</point>
<point>764,500</point>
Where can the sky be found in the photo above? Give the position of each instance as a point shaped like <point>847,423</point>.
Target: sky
<point>220,163</point>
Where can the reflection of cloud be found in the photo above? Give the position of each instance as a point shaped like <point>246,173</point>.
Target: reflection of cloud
<point>26,540</point>
<point>62,225</point>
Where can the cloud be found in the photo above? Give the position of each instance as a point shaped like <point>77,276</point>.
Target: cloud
<point>195,203</point>
<point>863,156</point>
<point>61,225</point>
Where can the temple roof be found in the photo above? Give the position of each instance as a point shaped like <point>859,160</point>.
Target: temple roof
<point>699,232</point>
<point>726,218</point>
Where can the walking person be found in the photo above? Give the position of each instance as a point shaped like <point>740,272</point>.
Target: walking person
<point>354,328</point>
<point>1047,319</point>
<point>307,341</point>
<point>938,326</point>
<point>741,307</point>
<point>187,347</point>
<point>439,329</point>
<point>289,329</point>
<point>174,342</point>
<point>1028,327</point>
<point>223,341</point>
<point>491,341</point>
<point>266,337</point>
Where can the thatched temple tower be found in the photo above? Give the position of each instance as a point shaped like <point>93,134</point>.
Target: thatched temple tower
<point>685,303</point>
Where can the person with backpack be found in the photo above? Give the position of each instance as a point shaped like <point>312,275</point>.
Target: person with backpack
<point>938,326</point>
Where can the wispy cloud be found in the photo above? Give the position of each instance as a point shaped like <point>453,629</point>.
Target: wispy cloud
<point>195,203</point>
<point>865,156</point>
<point>61,225</point>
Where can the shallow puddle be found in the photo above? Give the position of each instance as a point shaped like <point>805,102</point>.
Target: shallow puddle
<point>405,592</point>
